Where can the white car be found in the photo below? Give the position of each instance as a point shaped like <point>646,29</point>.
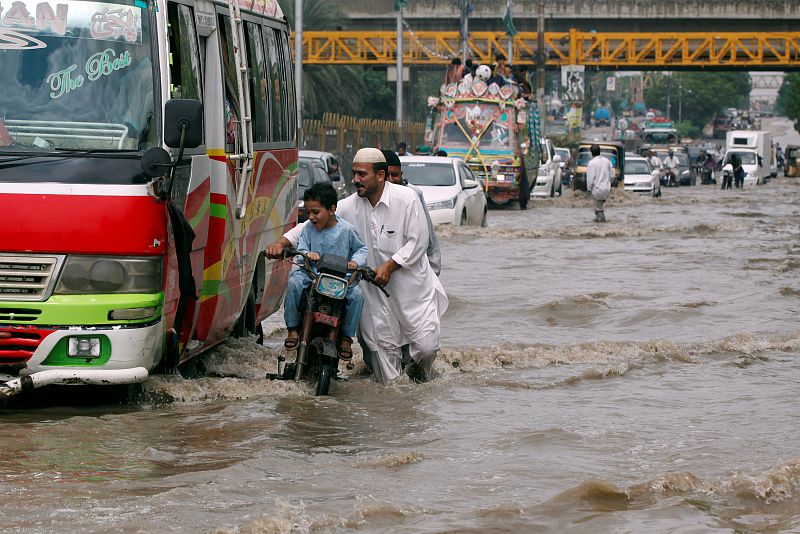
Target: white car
<point>452,194</point>
<point>640,176</point>
<point>548,182</point>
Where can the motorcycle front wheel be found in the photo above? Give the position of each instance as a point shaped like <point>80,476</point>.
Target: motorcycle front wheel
<point>324,377</point>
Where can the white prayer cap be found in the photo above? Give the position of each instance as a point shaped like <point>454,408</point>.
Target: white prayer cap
<point>369,155</point>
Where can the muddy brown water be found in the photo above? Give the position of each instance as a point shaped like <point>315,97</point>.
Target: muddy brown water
<point>639,376</point>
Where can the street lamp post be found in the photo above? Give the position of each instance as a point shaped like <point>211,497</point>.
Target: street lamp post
<point>399,114</point>
<point>298,66</point>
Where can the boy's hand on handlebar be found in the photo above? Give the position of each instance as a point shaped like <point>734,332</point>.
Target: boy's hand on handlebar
<point>275,250</point>
<point>313,256</point>
<point>351,265</point>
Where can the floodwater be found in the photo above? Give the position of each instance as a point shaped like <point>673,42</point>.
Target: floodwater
<point>637,376</point>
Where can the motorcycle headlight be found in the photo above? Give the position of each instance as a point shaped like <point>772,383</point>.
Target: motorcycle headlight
<point>87,275</point>
<point>443,205</point>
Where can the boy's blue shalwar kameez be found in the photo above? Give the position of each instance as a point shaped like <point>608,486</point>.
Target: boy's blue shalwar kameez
<point>341,240</point>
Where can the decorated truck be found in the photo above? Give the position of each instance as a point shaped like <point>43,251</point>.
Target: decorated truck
<point>494,130</point>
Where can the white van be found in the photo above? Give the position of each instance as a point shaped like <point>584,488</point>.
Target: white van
<point>754,149</point>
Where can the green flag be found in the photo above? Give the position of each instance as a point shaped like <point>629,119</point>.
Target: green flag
<point>400,4</point>
<point>508,21</point>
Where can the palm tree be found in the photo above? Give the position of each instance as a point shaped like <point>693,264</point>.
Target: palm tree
<point>327,88</point>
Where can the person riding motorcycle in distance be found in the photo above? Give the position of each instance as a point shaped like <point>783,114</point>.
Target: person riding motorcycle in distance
<point>673,166</point>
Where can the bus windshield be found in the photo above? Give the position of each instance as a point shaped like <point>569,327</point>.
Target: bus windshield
<point>660,137</point>
<point>488,123</point>
<point>76,75</point>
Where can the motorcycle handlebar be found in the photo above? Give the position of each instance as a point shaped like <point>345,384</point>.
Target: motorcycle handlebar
<point>366,273</point>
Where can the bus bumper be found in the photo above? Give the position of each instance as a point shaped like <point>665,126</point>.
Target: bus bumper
<point>99,377</point>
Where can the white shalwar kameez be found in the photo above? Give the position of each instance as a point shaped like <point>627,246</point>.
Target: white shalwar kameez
<point>396,229</point>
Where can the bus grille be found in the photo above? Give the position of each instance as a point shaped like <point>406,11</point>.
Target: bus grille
<point>27,277</point>
<point>18,344</point>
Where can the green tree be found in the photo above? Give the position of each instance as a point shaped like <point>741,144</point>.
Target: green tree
<point>700,96</point>
<point>788,102</point>
<point>327,88</point>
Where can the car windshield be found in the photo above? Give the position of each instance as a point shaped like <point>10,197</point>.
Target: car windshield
<point>76,75</point>
<point>683,159</point>
<point>564,153</point>
<point>304,180</point>
<point>467,121</point>
<point>437,174</point>
<point>584,157</point>
<point>636,166</point>
<point>747,158</point>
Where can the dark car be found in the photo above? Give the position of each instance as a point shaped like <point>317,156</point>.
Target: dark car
<point>312,171</point>
<point>686,177</point>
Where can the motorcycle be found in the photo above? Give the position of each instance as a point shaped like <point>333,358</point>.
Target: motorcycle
<point>669,178</point>
<point>323,306</point>
<point>705,173</point>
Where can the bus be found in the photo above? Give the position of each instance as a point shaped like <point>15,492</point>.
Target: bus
<point>148,155</point>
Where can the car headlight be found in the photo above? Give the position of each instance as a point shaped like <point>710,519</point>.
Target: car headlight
<point>443,205</point>
<point>87,275</point>
<point>543,171</point>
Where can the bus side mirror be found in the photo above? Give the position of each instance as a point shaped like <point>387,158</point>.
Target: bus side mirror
<point>156,162</point>
<point>183,116</point>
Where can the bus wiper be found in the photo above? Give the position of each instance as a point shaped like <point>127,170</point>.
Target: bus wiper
<point>68,152</point>
<point>113,153</point>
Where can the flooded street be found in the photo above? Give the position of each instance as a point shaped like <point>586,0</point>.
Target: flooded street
<point>637,376</point>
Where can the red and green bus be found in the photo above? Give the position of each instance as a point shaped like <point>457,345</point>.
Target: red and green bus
<point>147,157</point>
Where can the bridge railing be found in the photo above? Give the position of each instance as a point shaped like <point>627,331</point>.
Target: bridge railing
<point>610,50</point>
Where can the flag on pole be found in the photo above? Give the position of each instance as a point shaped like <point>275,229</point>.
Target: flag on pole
<point>400,4</point>
<point>508,21</point>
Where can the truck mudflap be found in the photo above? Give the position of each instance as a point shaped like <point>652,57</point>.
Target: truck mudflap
<point>96,377</point>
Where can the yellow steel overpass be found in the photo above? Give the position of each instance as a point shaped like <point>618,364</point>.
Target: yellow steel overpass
<point>603,50</point>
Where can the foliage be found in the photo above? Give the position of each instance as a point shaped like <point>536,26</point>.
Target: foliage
<point>327,88</point>
<point>688,129</point>
<point>701,96</point>
<point>571,140</point>
<point>379,97</point>
<point>788,102</point>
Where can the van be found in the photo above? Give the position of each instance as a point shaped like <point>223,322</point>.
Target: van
<point>754,149</point>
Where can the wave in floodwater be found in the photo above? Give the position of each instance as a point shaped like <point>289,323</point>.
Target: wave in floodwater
<point>774,492</point>
<point>779,484</point>
<point>595,231</point>
<point>237,371</point>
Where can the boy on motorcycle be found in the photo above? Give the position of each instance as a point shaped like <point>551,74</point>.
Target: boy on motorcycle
<point>327,234</point>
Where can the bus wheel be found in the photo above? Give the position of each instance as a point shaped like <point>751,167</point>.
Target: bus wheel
<point>246,323</point>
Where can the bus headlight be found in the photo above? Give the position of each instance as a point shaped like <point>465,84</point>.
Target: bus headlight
<point>86,275</point>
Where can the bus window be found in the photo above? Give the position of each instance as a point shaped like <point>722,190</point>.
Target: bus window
<point>258,82</point>
<point>288,93</point>
<point>184,57</point>
<point>279,133</point>
<point>232,108</point>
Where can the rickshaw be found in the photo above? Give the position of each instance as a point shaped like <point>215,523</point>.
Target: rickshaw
<point>791,167</point>
<point>614,151</point>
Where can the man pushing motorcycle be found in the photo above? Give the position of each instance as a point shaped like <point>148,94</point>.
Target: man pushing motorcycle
<point>391,222</point>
